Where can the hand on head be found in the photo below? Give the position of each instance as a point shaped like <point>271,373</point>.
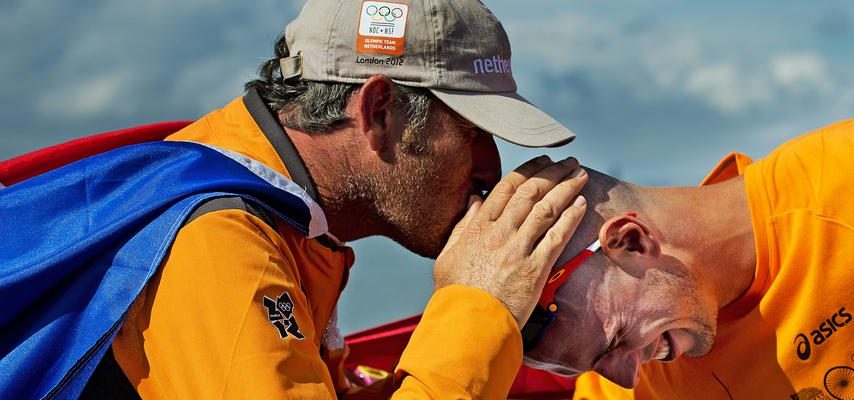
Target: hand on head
<point>507,244</point>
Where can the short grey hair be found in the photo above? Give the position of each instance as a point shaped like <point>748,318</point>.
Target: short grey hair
<point>317,107</point>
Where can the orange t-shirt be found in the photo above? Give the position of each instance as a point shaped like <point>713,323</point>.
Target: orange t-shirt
<point>791,336</point>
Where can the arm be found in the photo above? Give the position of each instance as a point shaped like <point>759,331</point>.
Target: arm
<point>467,346</point>
<point>204,328</point>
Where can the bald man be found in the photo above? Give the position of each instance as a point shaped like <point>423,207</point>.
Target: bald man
<point>738,289</point>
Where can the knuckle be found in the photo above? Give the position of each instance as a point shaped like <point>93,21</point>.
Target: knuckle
<point>545,211</point>
<point>553,236</point>
<point>475,229</point>
<point>503,188</point>
<point>529,191</point>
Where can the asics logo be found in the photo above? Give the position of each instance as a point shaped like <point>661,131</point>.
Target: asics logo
<point>821,334</point>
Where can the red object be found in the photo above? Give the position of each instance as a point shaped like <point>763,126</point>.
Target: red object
<point>562,274</point>
<point>49,158</point>
<point>381,347</point>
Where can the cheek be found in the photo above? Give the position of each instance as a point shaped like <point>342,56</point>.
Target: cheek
<point>665,295</point>
<point>568,345</point>
<point>578,332</point>
<point>455,167</point>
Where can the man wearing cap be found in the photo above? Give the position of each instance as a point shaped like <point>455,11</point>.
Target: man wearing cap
<point>383,112</point>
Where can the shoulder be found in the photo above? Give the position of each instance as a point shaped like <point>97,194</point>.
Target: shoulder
<point>234,203</point>
<point>234,237</point>
<point>809,172</point>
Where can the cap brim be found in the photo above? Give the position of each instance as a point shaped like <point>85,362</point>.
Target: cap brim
<point>508,116</point>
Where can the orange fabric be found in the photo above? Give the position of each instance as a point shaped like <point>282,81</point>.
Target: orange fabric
<point>221,279</point>
<point>796,338</point>
<point>200,330</point>
<point>467,345</point>
<point>233,128</point>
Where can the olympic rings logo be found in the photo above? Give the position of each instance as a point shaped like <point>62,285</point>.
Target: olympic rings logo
<point>384,13</point>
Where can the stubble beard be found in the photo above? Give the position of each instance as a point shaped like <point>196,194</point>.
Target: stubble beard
<point>686,289</point>
<point>408,201</point>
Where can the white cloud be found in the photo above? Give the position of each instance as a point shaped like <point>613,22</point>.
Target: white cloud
<point>669,61</point>
<point>728,88</point>
<point>801,71</point>
<point>733,88</point>
<point>88,98</point>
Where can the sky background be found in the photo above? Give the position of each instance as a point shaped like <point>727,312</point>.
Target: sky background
<point>657,91</point>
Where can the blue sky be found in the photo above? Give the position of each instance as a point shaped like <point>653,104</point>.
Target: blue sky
<point>657,91</point>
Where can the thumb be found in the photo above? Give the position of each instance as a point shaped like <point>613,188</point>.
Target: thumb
<point>475,202</point>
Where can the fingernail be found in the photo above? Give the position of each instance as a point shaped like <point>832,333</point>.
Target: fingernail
<point>579,202</point>
<point>577,173</point>
<point>472,199</point>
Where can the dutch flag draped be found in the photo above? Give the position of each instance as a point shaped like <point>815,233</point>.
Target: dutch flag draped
<point>79,243</point>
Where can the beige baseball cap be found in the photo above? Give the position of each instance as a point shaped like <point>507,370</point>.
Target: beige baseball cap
<point>455,48</point>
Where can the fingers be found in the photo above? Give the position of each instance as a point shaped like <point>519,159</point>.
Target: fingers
<point>494,205</point>
<point>558,236</point>
<point>546,211</point>
<point>475,203</point>
<point>506,245</point>
<point>534,190</point>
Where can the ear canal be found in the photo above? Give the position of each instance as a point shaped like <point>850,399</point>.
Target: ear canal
<point>632,240</point>
<point>627,237</point>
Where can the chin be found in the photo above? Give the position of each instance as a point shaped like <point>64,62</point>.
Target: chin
<point>428,238</point>
<point>430,252</point>
<point>423,244</point>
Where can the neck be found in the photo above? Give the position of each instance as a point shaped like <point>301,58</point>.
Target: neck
<point>334,171</point>
<point>709,228</point>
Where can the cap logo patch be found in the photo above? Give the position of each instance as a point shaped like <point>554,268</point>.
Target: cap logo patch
<point>382,28</point>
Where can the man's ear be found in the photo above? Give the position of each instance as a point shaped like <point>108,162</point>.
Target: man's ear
<point>627,238</point>
<point>376,117</point>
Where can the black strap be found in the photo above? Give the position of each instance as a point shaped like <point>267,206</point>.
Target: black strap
<point>232,203</point>
<point>286,150</point>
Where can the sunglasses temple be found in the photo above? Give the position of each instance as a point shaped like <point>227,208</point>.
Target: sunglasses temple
<point>562,274</point>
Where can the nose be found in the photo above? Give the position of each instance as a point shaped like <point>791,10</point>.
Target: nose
<point>486,162</point>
